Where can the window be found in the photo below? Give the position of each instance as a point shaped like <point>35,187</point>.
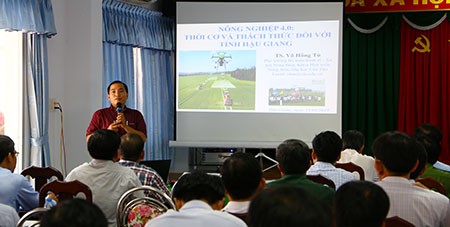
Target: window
<point>11,89</point>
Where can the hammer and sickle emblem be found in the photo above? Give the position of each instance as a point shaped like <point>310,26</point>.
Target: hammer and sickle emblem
<point>425,47</point>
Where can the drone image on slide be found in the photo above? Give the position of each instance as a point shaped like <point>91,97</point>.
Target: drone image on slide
<point>221,59</point>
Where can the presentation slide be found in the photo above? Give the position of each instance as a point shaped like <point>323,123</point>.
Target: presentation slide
<point>257,72</point>
<point>284,67</point>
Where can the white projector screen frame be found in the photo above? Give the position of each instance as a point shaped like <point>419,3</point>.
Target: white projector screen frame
<point>300,31</point>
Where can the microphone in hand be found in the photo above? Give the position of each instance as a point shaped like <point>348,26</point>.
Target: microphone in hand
<point>119,108</point>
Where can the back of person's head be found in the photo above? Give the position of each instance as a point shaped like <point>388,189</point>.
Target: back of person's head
<point>288,206</point>
<point>103,144</point>
<point>430,136</point>
<point>199,186</point>
<point>117,82</point>
<point>131,146</point>
<point>422,158</point>
<point>6,147</point>
<point>353,139</point>
<point>74,213</point>
<point>397,151</point>
<point>293,156</point>
<point>327,146</point>
<point>360,203</point>
<point>241,175</point>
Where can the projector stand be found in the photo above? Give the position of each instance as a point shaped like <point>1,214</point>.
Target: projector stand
<point>261,155</point>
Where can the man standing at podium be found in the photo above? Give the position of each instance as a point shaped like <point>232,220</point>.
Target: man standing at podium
<point>118,117</point>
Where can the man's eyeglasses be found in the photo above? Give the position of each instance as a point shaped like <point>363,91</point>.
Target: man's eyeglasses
<point>16,153</point>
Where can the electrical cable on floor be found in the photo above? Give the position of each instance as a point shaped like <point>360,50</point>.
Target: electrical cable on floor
<point>62,146</point>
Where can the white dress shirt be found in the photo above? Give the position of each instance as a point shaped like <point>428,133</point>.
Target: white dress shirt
<point>338,176</point>
<point>107,181</point>
<point>421,207</point>
<point>237,207</point>
<point>8,216</point>
<point>364,161</point>
<point>196,213</point>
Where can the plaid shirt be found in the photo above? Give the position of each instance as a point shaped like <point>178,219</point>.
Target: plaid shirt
<point>147,176</point>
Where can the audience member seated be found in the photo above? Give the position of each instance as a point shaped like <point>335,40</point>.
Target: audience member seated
<point>360,203</point>
<point>294,159</point>
<point>430,136</point>
<point>8,216</point>
<point>288,206</point>
<point>326,151</point>
<point>353,146</point>
<point>74,213</point>
<point>198,198</point>
<point>106,179</point>
<point>15,191</point>
<point>131,153</point>
<point>396,157</point>
<point>242,178</point>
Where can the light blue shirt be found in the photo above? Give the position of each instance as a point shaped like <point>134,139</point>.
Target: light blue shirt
<point>337,175</point>
<point>196,213</point>
<point>8,216</point>
<point>16,191</point>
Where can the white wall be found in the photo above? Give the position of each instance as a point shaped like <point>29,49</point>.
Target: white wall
<point>75,68</point>
<point>75,75</point>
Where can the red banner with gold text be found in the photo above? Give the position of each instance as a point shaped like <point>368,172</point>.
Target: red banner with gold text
<point>372,6</point>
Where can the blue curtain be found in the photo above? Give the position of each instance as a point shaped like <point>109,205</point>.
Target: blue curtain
<point>35,16</point>
<point>159,107</point>
<point>131,25</point>
<point>37,96</point>
<point>36,19</point>
<point>150,83</point>
<point>118,65</point>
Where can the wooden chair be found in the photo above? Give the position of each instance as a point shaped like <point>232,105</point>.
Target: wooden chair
<point>351,167</point>
<point>432,184</point>
<point>33,216</point>
<point>128,204</point>
<point>41,175</point>
<point>64,190</point>
<point>322,180</point>
<point>396,221</point>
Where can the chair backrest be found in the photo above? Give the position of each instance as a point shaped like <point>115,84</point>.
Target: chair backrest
<point>322,180</point>
<point>64,190</point>
<point>32,215</point>
<point>396,221</point>
<point>133,210</point>
<point>41,175</point>
<point>351,167</point>
<point>433,184</point>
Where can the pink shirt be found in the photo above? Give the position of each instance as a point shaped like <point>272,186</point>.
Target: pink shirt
<point>104,117</point>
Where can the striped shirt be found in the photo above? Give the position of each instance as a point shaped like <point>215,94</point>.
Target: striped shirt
<point>422,207</point>
<point>147,176</point>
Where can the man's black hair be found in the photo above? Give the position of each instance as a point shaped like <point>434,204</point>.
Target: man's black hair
<point>199,186</point>
<point>293,156</point>
<point>430,136</point>
<point>360,203</point>
<point>353,139</point>
<point>241,175</point>
<point>422,162</point>
<point>397,151</point>
<point>117,82</point>
<point>103,144</point>
<point>131,146</point>
<point>328,146</point>
<point>288,206</point>
<point>6,147</point>
<point>74,213</point>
